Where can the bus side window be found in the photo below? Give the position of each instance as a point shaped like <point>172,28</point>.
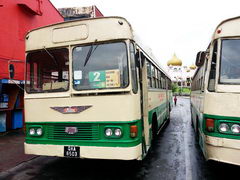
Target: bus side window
<point>153,69</point>
<point>149,74</point>
<point>204,72</point>
<point>162,81</point>
<point>212,75</point>
<point>158,79</point>
<point>133,69</point>
<point>31,66</point>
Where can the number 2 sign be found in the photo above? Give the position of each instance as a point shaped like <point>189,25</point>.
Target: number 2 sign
<point>97,76</point>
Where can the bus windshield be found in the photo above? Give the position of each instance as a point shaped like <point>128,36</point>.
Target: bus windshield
<point>47,71</point>
<point>100,66</point>
<point>230,62</point>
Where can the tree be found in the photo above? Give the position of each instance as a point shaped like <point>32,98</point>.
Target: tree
<point>174,87</point>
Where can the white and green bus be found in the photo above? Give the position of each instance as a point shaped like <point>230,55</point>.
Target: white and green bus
<point>92,91</point>
<point>215,97</point>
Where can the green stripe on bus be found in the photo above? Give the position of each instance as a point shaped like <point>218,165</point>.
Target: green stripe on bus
<point>222,117</point>
<point>79,122</point>
<point>218,119</point>
<point>90,134</point>
<point>119,143</point>
<point>160,111</point>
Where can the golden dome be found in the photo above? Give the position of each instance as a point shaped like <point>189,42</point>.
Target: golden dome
<point>192,67</point>
<point>174,61</point>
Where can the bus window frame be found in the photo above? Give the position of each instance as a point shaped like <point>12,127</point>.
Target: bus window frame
<point>26,67</point>
<point>210,63</point>
<point>220,61</point>
<point>100,43</point>
<point>134,87</point>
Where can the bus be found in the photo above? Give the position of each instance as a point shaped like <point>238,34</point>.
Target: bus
<point>92,90</point>
<point>215,97</point>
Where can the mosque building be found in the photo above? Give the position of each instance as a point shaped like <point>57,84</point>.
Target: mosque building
<point>181,75</point>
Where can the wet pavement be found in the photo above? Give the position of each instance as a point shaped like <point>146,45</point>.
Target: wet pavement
<point>175,155</point>
<point>12,150</point>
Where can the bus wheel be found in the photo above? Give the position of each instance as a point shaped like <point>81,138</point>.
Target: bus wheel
<point>197,130</point>
<point>169,111</point>
<point>154,127</point>
<point>191,117</point>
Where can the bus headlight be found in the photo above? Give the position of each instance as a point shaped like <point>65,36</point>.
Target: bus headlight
<point>108,132</point>
<point>235,128</point>
<point>223,127</point>
<point>39,131</point>
<point>32,131</point>
<point>118,132</point>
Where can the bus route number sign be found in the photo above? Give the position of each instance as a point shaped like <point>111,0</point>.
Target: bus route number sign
<point>105,79</point>
<point>71,151</point>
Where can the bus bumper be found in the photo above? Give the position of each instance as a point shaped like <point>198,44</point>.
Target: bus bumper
<point>90,152</point>
<point>222,149</point>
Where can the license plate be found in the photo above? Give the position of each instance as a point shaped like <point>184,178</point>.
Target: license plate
<point>71,151</point>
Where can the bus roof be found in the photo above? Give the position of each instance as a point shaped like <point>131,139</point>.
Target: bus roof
<point>85,31</point>
<point>81,20</point>
<point>81,31</point>
<point>228,28</point>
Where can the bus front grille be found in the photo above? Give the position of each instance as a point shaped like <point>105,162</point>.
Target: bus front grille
<point>84,132</point>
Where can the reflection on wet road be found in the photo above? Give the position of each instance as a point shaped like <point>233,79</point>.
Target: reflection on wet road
<point>174,155</point>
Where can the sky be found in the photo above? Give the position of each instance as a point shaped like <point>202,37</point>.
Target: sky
<point>183,27</point>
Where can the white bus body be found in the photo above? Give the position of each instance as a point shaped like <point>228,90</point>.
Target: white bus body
<point>215,97</point>
<point>89,93</point>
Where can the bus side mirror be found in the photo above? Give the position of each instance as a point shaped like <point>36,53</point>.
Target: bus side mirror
<point>201,55</point>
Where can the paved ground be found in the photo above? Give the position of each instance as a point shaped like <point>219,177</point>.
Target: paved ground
<point>11,149</point>
<point>174,156</point>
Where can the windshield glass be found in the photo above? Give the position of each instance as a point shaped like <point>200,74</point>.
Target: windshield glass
<point>47,71</point>
<point>100,66</point>
<point>230,62</point>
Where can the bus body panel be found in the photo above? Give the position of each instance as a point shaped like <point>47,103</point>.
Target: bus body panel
<point>226,104</point>
<point>120,153</point>
<point>197,101</point>
<point>228,28</point>
<point>222,149</point>
<point>157,105</point>
<point>103,108</point>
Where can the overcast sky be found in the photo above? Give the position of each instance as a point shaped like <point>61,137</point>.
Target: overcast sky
<point>183,27</point>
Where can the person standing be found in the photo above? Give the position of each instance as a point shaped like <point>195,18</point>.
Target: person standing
<point>175,100</point>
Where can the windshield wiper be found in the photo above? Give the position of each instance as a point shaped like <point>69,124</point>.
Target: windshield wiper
<point>90,52</point>
<point>88,55</point>
<point>54,59</point>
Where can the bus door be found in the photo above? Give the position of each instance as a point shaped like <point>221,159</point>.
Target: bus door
<point>144,101</point>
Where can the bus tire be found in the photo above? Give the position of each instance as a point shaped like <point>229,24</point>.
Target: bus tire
<point>169,112</point>
<point>154,127</point>
<point>197,130</point>
<point>191,117</point>
<point>169,115</point>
